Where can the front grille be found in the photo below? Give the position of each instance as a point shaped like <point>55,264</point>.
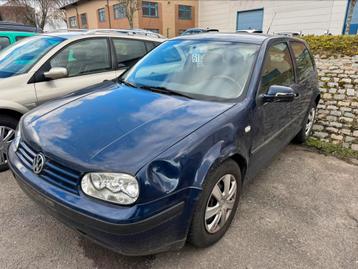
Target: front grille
<point>53,172</point>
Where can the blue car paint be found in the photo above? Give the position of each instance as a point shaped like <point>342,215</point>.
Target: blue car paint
<point>169,143</point>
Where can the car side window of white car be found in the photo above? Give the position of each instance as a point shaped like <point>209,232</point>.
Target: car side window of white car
<point>128,51</point>
<point>84,57</point>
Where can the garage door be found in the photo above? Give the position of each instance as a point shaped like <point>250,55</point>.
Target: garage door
<point>250,19</point>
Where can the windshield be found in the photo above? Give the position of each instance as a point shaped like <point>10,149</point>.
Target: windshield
<point>20,57</point>
<point>197,68</point>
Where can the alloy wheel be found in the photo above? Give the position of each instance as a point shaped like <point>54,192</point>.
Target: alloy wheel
<point>7,134</point>
<point>220,203</point>
<point>310,121</point>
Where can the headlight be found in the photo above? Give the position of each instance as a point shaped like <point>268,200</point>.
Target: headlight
<point>17,138</point>
<point>112,187</point>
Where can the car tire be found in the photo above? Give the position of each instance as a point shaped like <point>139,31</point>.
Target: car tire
<point>307,125</point>
<point>201,234</point>
<point>7,131</point>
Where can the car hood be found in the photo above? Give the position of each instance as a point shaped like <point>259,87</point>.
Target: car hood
<point>116,128</point>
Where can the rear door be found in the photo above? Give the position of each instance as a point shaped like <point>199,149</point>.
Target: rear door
<point>88,61</point>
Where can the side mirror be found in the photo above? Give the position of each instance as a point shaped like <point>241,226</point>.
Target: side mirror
<point>278,94</point>
<point>56,73</point>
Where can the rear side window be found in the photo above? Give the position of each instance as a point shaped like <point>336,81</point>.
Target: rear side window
<point>278,68</point>
<point>18,38</point>
<point>151,45</point>
<point>128,51</point>
<point>304,61</point>
<point>4,42</point>
<point>84,57</point>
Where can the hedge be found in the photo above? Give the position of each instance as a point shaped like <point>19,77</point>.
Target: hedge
<point>333,44</point>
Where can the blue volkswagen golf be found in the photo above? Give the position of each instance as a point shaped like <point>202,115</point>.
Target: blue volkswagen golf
<point>157,157</point>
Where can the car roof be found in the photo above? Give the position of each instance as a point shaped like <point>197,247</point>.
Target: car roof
<point>17,33</point>
<point>254,38</point>
<point>18,27</point>
<point>83,34</point>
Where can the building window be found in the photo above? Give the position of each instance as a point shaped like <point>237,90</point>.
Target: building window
<point>84,20</point>
<point>250,20</point>
<point>185,12</point>
<point>119,11</point>
<point>72,22</point>
<point>101,15</point>
<point>150,9</point>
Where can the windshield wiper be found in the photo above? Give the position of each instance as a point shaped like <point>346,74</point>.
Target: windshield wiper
<point>164,90</point>
<point>121,80</point>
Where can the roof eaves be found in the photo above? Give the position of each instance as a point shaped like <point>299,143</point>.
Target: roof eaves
<point>72,3</point>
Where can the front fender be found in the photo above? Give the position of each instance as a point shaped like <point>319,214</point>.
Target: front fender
<point>213,158</point>
<point>187,163</point>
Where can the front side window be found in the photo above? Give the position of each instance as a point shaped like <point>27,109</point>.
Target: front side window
<point>201,69</point>
<point>119,11</point>
<point>185,12</point>
<point>4,42</point>
<point>84,20</point>
<point>278,68</point>
<point>101,15</point>
<point>21,56</point>
<point>84,57</point>
<point>150,9</point>
<point>128,51</point>
<point>304,61</point>
<point>72,22</point>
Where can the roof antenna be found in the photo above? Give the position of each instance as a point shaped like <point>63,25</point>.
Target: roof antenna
<point>268,29</point>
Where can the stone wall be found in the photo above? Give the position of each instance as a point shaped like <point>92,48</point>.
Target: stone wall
<point>337,117</point>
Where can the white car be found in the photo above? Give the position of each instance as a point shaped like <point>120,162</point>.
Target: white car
<point>47,66</point>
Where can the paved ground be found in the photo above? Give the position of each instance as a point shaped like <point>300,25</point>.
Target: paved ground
<point>302,212</point>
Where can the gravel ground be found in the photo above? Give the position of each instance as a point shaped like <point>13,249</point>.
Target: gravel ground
<point>301,212</point>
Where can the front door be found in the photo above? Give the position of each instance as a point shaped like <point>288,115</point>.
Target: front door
<point>87,61</point>
<point>273,120</point>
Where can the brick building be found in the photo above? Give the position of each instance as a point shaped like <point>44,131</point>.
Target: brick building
<point>168,18</point>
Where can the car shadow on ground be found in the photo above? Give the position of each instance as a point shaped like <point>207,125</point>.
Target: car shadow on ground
<point>300,212</point>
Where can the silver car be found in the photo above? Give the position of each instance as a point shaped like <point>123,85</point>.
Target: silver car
<point>47,66</point>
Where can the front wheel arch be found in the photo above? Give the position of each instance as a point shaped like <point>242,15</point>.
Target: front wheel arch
<point>215,157</point>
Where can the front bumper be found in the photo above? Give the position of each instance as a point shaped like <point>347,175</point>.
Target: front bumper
<point>149,233</point>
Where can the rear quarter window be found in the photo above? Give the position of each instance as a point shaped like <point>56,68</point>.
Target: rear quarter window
<point>4,42</point>
<point>18,38</point>
<point>304,62</point>
<point>151,45</point>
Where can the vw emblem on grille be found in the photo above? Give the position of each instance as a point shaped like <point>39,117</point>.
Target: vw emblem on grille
<point>38,163</point>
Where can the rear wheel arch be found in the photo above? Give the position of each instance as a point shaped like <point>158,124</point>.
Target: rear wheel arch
<point>317,99</point>
<point>11,113</point>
